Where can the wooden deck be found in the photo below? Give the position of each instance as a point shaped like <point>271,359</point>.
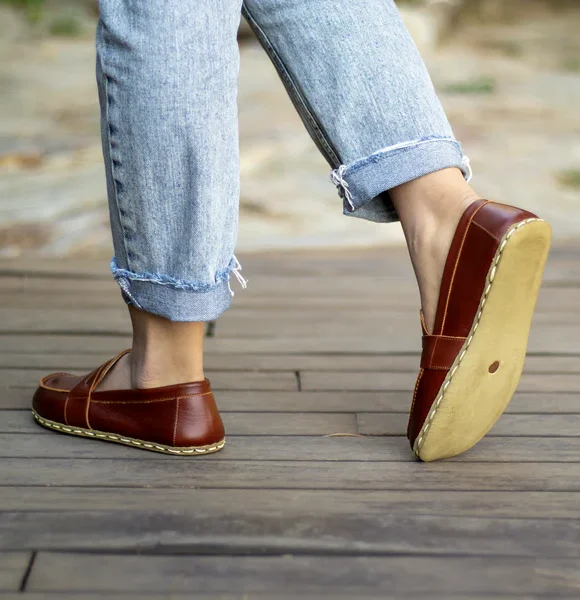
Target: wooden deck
<point>317,493</point>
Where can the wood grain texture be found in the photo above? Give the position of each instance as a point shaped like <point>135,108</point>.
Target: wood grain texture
<point>507,425</point>
<point>221,380</point>
<point>337,594</point>
<point>238,423</point>
<point>321,503</point>
<point>341,448</point>
<point>357,533</point>
<point>13,567</point>
<point>356,380</point>
<point>64,572</point>
<point>246,447</point>
<point>392,363</point>
<point>218,473</point>
<point>250,401</point>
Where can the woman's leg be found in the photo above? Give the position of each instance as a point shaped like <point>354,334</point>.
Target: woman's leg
<point>366,98</point>
<point>167,75</point>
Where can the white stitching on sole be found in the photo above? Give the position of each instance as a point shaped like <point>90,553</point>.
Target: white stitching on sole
<point>491,276</point>
<point>165,449</point>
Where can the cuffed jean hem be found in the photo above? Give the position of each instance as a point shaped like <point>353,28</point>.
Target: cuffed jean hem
<point>174,299</point>
<point>363,184</point>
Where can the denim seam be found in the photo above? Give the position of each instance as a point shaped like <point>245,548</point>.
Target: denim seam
<point>394,151</point>
<point>293,90</point>
<point>111,163</point>
<point>179,284</point>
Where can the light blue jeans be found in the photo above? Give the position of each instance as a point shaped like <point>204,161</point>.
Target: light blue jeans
<point>167,75</point>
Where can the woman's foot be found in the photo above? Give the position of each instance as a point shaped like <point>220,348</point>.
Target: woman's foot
<point>475,343</point>
<point>154,397</point>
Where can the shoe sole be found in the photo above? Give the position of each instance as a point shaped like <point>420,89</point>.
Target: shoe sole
<point>128,441</point>
<point>486,372</point>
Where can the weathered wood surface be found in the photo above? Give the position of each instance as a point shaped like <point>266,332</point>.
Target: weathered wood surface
<point>316,494</point>
<point>13,570</point>
<point>354,575</point>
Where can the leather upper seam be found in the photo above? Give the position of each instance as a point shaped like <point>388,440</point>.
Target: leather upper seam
<point>44,385</point>
<point>457,262</point>
<point>421,371</point>
<point>433,352</point>
<point>148,401</point>
<point>51,389</point>
<point>176,421</point>
<point>486,231</point>
<point>448,337</point>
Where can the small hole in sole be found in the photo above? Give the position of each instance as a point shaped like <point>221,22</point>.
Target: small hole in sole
<point>494,366</point>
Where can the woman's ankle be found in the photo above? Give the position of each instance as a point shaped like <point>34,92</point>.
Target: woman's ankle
<point>430,209</point>
<point>165,352</point>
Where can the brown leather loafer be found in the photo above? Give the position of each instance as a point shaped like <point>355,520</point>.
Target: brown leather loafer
<point>176,419</point>
<point>472,361</point>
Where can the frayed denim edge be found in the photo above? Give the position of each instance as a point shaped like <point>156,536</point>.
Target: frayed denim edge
<point>121,275</point>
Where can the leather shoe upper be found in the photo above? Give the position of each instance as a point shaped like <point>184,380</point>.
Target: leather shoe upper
<point>474,245</point>
<point>174,415</point>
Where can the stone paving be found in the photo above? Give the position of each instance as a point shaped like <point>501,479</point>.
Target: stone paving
<point>512,93</point>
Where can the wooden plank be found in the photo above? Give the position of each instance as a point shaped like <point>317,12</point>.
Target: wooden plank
<point>337,401</point>
<point>233,532</point>
<point>266,447</point>
<point>236,423</point>
<point>508,425</point>
<point>372,381</point>
<point>211,472</point>
<point>394,424</point>
<point>75,344</point>
<point>377,424</point>
<point>221,380</point>
<point>252,323</point>
<point>548,339</point>
<point>319,380</point>
<point>298,322</point>
<point>300,447</point>
<point>112,321</point>
<point>457,575</point>
<point>559,273</point>
<point>392,260</point>
<point>553,340</point>
<point>60,361</point>
<point>55,267</point>
<point>329,402</point>
<point>389,259</point>
<point>244,596</point>
<point>13,566</point>
<point>282,287</point>
<point>323,503</point>
<point>399,296</point>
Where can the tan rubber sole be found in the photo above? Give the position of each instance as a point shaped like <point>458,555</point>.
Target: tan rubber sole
<point>486,372</point>
<point>128,441</point>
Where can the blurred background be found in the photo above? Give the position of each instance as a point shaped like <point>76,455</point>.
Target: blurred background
<point>508,73</point>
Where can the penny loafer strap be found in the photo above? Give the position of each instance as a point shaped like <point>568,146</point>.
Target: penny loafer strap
<point>76,408</point>
<point>439,351</point>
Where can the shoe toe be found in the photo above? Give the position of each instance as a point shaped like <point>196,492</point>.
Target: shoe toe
<point>50,396</point>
